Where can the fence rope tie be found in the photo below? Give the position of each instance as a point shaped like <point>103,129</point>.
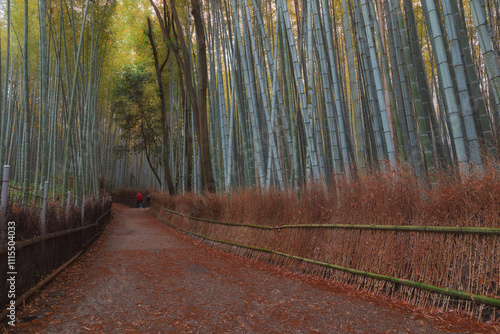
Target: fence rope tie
<point>402,228</point>
<point>451,292</point>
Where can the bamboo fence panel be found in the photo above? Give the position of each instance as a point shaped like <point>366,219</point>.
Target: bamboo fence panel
<point>427,266</point>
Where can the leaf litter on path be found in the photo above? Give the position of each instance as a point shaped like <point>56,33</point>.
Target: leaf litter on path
<point>184,286</point>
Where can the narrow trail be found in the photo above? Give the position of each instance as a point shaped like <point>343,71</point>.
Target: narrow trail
<point>143,277</point>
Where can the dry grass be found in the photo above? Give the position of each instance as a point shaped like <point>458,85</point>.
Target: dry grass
<point>457,261</point>
<point>28,218</point>
<point>396,198</point>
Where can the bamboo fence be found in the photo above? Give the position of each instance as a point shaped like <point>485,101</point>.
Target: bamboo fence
<point>449,268</point>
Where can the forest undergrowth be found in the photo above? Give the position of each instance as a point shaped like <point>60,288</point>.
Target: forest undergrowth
<point>28,215</point>
<point>392,198</point>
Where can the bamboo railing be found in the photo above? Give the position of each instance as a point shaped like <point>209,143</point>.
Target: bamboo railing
<point>403,228</point>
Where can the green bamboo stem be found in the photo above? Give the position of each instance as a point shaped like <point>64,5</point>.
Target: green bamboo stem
<point>419,285</point>
<point>401,228</point>
<point>216,222</point>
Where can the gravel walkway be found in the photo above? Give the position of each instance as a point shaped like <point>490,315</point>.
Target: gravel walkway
<point>143,277</point>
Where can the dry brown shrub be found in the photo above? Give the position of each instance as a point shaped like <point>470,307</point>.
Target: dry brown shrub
<point>163,199</point>
<point>212,206</point>
<point>380,199</point>
<point>472,200</point>
<point>396,197</point>
<point>27,219</point>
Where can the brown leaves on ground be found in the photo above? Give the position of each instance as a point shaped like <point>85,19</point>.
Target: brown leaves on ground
<point>141,276</point>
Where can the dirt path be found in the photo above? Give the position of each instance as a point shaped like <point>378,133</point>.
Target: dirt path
<point>143,277</point>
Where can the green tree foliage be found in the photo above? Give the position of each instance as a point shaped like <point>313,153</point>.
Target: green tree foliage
<point>135,109</point>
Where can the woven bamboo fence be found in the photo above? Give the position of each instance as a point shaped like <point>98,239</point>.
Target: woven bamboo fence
<point>448,268</point>
<point>39,256</point>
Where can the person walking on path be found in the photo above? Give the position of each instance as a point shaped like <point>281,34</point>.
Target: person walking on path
<point>139,200</point>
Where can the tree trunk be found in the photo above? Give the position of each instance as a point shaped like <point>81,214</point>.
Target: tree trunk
<point>199,103</point>
<point>163,110</point>
<point>206,168</point>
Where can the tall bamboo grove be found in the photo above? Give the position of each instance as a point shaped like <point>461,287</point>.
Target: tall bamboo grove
<point>315,90</point>
<point>54,118</point>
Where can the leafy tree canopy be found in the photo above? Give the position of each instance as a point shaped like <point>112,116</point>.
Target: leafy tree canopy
<point>134,106</point>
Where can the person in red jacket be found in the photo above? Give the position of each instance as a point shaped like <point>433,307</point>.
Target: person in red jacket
<point>139,200</point>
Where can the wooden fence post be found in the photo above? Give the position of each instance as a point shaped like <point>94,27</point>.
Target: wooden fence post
<point>83,210</point>
<point>44,206</point>
<point>67,205</point>
<point>3,203</point>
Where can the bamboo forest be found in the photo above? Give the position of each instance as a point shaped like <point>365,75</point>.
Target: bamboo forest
<point>268,115</point>
<point>243,94</point>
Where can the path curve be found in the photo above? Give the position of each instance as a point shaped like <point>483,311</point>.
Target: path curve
<point>143,277</point>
